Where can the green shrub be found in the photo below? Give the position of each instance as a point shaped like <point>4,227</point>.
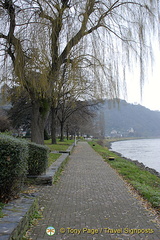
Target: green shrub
<point>13,166</point>
<point>38,159</point>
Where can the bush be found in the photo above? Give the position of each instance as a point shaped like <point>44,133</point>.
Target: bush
<point>38,159</point>
<point>13,166</point>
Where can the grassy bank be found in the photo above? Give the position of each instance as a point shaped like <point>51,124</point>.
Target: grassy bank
<point>147,184</point>
<point>60,146</point>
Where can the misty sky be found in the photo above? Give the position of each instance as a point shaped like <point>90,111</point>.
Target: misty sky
<point>151,89</point>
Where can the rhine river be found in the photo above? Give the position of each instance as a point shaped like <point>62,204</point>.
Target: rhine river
<point>146,151</point>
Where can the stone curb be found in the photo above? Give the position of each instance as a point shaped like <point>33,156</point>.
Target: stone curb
<point>17,216</point>
<point>48,178</point>
<point>18,213</point>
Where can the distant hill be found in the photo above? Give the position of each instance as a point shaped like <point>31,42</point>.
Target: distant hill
<point>125,119</point>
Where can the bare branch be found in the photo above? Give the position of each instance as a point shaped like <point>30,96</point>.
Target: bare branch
<point>81,33</point>
<point>3,36</point>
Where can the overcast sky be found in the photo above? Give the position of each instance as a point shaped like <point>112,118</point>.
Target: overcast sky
<point>151,88</point>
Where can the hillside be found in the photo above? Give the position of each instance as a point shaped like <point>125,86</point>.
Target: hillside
<point>126,119</point>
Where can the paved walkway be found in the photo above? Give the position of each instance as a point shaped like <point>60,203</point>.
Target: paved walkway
<point>92,202</point>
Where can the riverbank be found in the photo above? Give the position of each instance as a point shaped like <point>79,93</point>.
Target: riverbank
<point>139,164</point>
<point>146,183</point>
<point>139,161</point>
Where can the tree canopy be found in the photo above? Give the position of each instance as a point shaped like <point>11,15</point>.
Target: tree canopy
<point>93,40</point>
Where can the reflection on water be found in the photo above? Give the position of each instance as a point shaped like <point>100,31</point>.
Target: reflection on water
<point>146,151</point>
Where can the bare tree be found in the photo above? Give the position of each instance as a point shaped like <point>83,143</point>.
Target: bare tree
<point>72,86</point>
<point>81,121</point>
<point>72,110</point>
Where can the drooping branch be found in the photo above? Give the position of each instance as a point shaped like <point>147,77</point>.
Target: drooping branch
<point>16,54</point>
<point>90,8</point>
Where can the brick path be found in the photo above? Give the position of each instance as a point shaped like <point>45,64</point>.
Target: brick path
<point>90,199</point>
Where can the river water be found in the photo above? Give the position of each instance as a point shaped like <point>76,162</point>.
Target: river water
<point>146,151</point>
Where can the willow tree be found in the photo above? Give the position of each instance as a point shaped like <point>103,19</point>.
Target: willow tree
<point>29,65</point>
<point>42,36</point>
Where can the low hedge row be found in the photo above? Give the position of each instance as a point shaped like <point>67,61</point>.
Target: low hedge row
<point>17,159</point>
<point>13,166</point>
<point>38,159</point>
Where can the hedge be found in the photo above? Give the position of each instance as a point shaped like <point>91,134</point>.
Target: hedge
<point>38,159</point>
<point>18,158</point>
<point>13,166</point>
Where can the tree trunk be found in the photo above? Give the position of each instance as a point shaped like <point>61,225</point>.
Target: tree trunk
<point>62,131</point>
<point>53,125</point>
<point>67,129</point>
<point>39,116</point>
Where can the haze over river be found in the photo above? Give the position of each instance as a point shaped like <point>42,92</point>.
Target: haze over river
<point>146,151</point>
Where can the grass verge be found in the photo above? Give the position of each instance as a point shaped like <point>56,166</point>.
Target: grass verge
<point>60,146</point>
<point>1,207</point>
<point>147,184</point>
<point>36,216</point>
<point>52,158</point>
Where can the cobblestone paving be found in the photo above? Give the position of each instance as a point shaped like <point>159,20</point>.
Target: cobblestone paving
<point>92,202</point>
